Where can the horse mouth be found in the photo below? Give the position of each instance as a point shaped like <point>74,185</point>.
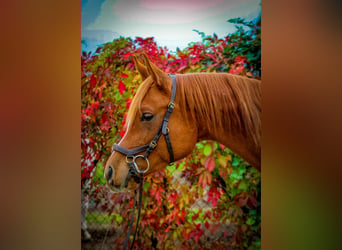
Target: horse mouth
<point>127,186</point>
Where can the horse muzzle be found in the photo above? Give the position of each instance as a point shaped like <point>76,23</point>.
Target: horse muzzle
<point>130,182</point>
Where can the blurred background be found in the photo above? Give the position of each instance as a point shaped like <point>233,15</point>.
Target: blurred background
<point>40,128</point>
<point>171,23</point>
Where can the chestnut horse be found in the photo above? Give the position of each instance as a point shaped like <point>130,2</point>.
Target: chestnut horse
<point>207,106</point>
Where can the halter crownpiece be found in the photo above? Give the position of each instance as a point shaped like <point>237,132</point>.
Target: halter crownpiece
<point>132,154</point>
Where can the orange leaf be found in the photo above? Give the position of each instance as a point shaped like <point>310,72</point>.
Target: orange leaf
<point>200,180</point>
<point>223,172</point>
<point>204,181</point>
<point>210,163</point>
<point>209,178</point>
<point>199,171</point>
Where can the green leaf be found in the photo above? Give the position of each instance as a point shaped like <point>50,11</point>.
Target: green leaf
<point>200,145</point>
<point>236,161</point>
<point>171,168</point>
<point>243,185</point>
<point>250,221</point>
<point>146,186</point>
<point>118,218</point>
<point>99,174</point>
<point>207,150</point>
<point>252,212</point>
<point>235,175</point>
<point>242,169</point>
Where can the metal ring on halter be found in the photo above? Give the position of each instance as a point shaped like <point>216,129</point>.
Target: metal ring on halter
<point>136,166</point>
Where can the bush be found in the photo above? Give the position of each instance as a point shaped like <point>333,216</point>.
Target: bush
<point>230,187</point>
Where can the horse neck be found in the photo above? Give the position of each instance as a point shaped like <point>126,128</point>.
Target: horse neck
<point>239,144</point>
<point>231,137</point>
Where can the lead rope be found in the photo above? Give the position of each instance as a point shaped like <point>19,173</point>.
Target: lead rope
<point>139,210</point>
<point>141,184</point>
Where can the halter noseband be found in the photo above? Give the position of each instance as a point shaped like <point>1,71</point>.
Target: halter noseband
<point>133,154</point>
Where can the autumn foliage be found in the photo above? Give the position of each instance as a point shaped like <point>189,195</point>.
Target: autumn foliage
<point>209,199</point>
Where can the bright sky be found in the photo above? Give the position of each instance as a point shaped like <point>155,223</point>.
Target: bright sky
<point>170,22</point>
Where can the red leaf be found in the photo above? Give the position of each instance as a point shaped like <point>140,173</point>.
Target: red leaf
<point>242,202</point>
<point>157,196</point>
<point>195,216</point>
<point>104,118</point>
<point>124,75</point>
<point>105,126</point>
<point>128,103</point>
<point>215,36</point>
<point>173,197</point>
<point>95,105</point>
<point>98,50</point>
<point>200,180</point>
<point>210,163</point>
<point>121,87</point>
<point>183,215</point>
<point>122,133</point>
<point>127,55</point>
<point>214,201</point>
<point>107,73</point>
<point>93,81</point>
<point>252,202</point>
<point>205,180</point>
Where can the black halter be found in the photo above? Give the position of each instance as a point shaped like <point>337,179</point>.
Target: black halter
<point>133,154</point>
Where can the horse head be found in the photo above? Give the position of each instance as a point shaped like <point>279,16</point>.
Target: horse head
<point>144,119</point>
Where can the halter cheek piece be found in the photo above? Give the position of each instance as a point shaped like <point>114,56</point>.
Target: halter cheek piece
<point>133,154</point>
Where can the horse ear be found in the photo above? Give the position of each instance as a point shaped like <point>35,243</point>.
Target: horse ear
<point>156,73</point>
<point>141,68</point>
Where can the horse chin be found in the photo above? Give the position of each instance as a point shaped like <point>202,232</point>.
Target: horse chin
<point>131,185</point>
<point>128,185</point>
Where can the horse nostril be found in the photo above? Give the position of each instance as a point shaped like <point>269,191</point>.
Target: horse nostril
<point>109,173</point>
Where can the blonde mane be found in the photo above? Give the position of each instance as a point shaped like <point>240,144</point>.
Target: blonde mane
<point>222,101</point>
<point>138,98</point>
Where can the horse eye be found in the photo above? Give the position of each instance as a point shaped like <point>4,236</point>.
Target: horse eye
<point>146,117</point>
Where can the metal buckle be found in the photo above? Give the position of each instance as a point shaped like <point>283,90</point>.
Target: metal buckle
<point>171,105</point>
<point>129,158</point>
<point>153,144</point>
